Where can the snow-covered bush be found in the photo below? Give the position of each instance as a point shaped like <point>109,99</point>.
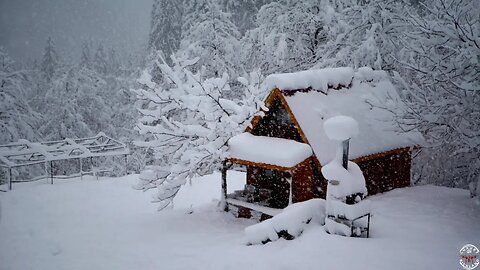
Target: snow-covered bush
<point>289,224</point>
<point>187,121</point>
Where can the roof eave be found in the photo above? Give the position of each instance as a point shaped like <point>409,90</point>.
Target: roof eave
<point>265,165</point>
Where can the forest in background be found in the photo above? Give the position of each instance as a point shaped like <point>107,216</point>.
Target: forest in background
<point>201,79</point>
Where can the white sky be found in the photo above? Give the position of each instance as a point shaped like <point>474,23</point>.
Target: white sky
<point>26,24</point>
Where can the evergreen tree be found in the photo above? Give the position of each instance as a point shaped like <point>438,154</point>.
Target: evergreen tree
<point>166,27</point>
<point>100,60</point>
<point>86,57</point>
<point>50,61</point>
<point>113,65</point>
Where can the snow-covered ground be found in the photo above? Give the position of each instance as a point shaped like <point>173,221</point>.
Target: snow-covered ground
<point>105,224</point>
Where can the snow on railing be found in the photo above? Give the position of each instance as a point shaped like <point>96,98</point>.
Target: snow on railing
<point>25,153</point>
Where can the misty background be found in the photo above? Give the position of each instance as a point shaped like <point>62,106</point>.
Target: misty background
<point>25,25</point>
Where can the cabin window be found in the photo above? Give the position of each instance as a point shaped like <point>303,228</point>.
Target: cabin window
<point>277,123</point>
<point>282,117</point>
<point>269,173</point>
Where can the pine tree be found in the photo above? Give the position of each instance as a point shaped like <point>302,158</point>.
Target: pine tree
<point>86,57</point>
<point>113,65</point>
<point>50,61</point>
<point>166,27</point>
<point>100,60</point>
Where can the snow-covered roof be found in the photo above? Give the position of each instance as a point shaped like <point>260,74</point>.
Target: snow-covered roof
<point>24,152</point>
<point>320,79</point>
<point>367,96</point>
<point>268,150</point>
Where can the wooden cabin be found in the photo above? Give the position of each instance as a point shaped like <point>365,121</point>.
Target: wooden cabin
<point>285,146</point>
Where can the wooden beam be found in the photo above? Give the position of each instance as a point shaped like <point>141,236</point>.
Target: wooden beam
<point>276,93</point>
<point>259,165</point>
<point>385,153</point>
<point>224,185</point>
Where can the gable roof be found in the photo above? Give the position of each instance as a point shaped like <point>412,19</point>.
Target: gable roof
<point>368,96</point>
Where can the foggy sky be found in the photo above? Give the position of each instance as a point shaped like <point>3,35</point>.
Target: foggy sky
<point>26,24</point>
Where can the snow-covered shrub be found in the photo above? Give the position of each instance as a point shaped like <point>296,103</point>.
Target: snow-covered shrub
<point>289,224</point>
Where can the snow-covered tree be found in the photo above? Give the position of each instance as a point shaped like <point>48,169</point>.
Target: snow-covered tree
<point>100,60</point>
<point>209,34</point>
<point>187,122</point>
<point>363,33</point>
<point>243,12</point>
<point>166,27</point>
<point>290,34</point>
<point>86,56</point>
<point>297,35</point>
<point>17,119</point>
<point>50,61</point>
<point>441,84</point>
<point>113,65</point>
<point>61,114</point>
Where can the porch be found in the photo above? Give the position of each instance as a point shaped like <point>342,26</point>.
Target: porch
<point>275,169</point>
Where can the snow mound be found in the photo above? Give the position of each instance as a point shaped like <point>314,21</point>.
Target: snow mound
<point>349,211</point>
<point>351,181</point>
<point>340,128</point>
<point>365,74</point>
<point>289,224</point>
<point>320,79</point>
<point>148,175</point>
<point>268,150</point>
<point>337,228</point>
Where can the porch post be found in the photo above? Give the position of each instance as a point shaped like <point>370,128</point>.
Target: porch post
<point>224,186</point>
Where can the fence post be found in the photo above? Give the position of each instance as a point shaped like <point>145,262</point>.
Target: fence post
<point>81,169</point>
<point>51,172</point>
<point>126,162</point>
<point>9,178</point>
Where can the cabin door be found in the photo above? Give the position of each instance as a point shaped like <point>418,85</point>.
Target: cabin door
<point>279,186</point>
